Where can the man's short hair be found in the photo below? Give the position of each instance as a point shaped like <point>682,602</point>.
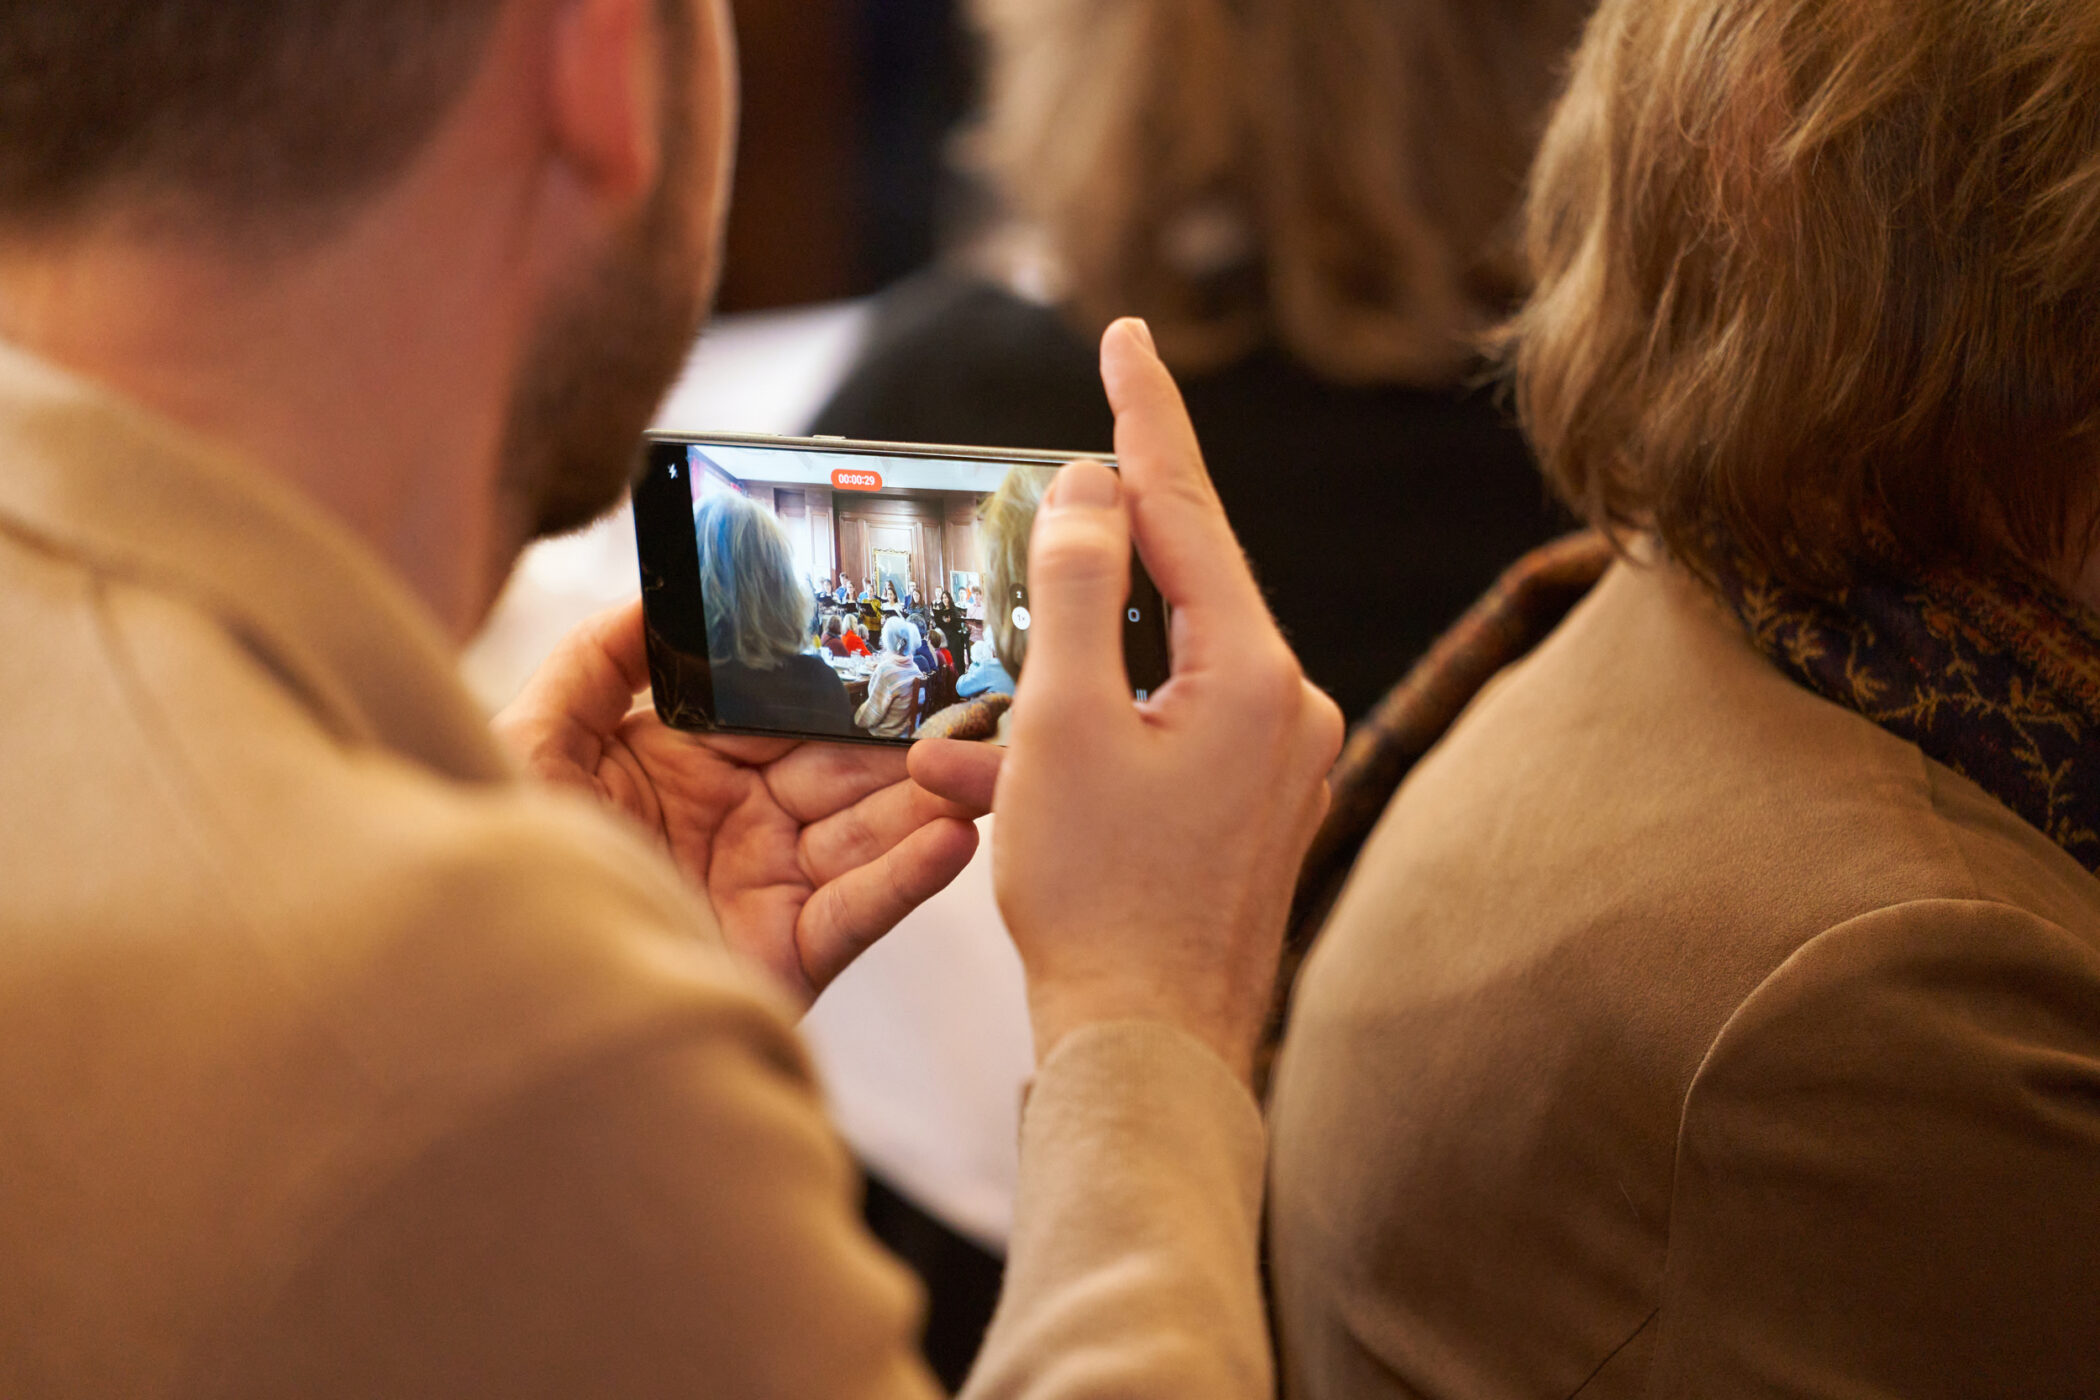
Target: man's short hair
<point>230,113</point>
<point>1817,273</point>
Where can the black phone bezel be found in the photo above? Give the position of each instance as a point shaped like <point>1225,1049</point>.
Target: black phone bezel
<point>674,611</point>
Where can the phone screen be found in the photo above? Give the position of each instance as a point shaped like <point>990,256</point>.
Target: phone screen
<point>846,591</point>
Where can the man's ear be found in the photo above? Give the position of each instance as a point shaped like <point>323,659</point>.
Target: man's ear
<point>607,98</point>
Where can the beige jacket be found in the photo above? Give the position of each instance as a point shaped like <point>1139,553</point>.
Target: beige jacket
<point>1681,1034</point>
<point>335,1061</point>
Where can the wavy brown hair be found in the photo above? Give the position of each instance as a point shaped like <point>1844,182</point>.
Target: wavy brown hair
<point>1815,276</point>
<point>1337,177</point>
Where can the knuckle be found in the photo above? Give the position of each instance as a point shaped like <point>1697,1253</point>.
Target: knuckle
<point>1275,679</point>
<point>1079,555</point>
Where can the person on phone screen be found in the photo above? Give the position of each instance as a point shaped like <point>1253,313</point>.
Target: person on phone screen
<point>349,1048</point>
<point>922,651</point>
<point>985,676</point>
<point>887,713</point>
<point>757,622</point>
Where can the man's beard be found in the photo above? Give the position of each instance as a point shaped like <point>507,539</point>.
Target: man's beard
<point>601,360</point>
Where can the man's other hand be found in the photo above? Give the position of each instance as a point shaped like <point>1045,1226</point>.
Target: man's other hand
<point>1146,853</point>
<point>808,853</point>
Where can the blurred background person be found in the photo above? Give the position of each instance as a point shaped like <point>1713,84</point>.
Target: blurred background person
<point>889,712</point>
<point>1312,202</point>
<point>1716,1010</point>
<point>941,653</point>
<point>759,616</point>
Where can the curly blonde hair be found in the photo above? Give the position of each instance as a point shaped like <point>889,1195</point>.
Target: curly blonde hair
<point>1820,276</point>
<point>1336,177</point>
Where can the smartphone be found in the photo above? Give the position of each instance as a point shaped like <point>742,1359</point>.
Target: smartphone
<point>818,588</point>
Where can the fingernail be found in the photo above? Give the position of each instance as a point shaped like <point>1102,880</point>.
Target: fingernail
<point>1086,486</point>
<point>1144,333</point>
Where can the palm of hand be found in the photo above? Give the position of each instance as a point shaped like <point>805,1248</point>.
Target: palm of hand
<point>729,832</point>
<point>808,853</point>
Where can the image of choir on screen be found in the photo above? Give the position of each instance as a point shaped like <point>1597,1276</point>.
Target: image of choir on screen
<point>870,650</point>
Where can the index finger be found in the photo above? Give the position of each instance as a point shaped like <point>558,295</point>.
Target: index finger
<point>1182,533</point>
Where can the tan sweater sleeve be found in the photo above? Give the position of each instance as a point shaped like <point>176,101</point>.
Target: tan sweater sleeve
<point>680,1220</point>
<point>1887,1168</point>
<point>1134,1268</point>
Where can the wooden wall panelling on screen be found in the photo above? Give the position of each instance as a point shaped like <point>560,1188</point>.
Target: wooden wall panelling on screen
<point>806,516</point>
<point>961,539</point>
<point>909,523</point>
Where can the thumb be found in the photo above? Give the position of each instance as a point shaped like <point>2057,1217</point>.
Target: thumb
<point>584,689</point>
<point>1078,585</point>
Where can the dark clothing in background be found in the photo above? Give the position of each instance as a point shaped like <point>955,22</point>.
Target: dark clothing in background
<point>1374,516</point>
<point>802,694</point>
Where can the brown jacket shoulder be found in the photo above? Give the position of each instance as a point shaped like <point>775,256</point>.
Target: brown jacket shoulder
<point>1681,1033</point>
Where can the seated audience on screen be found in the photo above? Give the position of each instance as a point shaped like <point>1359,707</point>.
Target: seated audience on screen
<point>1716,1010</point>
<point>856,644</point>
<point>941,653</point>
<point>758,616</point>
<point>985,676</point>
<point>887,713</point>
<point>922,652</point>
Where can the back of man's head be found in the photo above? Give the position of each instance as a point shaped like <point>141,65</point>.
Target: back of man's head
<point>236,114</point>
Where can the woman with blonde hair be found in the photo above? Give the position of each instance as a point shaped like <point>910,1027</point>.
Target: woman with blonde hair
<point>1716,1011</point>
<point>1313,202</point>
<point>1005,523</point>
<point>759,618</point>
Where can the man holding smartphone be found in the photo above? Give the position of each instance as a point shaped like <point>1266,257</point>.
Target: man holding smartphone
<point>336,1058</point>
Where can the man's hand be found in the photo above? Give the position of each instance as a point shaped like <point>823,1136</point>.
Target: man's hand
<point>809,853</point>
<point>1146,853</point>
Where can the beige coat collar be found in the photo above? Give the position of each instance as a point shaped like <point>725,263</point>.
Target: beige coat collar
<point>85,474</point>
